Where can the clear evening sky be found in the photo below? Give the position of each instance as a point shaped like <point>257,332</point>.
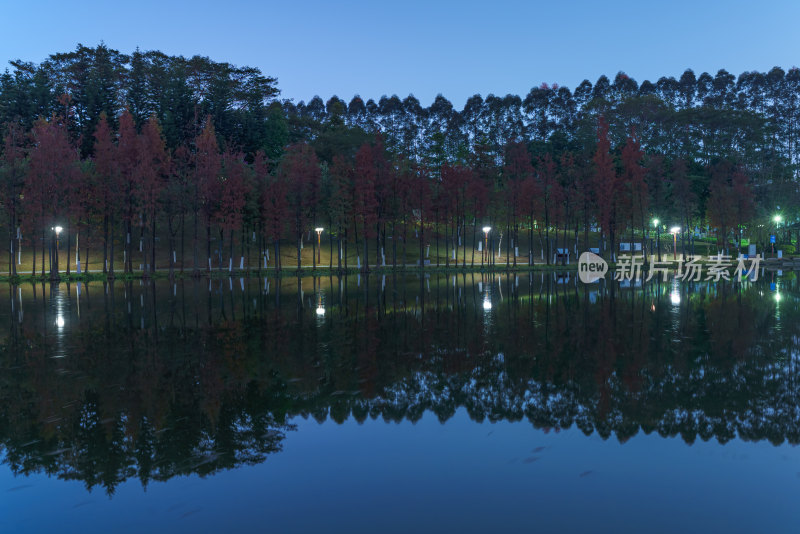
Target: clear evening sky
<point>423,47</point>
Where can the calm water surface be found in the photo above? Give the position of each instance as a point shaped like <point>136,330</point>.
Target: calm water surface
<point>463,403</point>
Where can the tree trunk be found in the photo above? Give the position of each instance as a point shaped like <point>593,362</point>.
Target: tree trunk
<point>365,267</point>
<point>299,240</point>
<point>474,235</point>
<point>436,234</point>
<point>69,249</point>
<point>547,234</point>
<point>11,254</point>
<point>105,244</point>
<point>446,244</point>
<point>339,250</point>
<point>208,248</point>
<point>111,248</point>
<point>128,258</point>
<point>171,233</point>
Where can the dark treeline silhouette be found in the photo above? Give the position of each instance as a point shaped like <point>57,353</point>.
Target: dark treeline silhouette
<point>108,381</point>
<point>150,155</point>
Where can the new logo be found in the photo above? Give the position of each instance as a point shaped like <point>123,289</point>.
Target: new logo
<point>591,267</point>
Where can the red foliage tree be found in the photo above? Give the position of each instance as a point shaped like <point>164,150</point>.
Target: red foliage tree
<point>301,172</point>
<point>478,194</point>
<point>570,188</point>
<point>207,167</point>
<point>365,202</point>
<point>152,172</point>
<point>633,181</point>
<point>420,192</point>
<point>274,204</point>
<point>606,188</point>
<point>517,170</point>
<point>128,159</point>
<point>684,199</point>
<point>744,207</point>
<point>729,201</point>
<point>720,204</point>
<point>13,179</point>
<point>52,169</point>
<point>341,203</point>
<point>550,190</point>
<point>456,182</point>
<point>232,191</point>
<point>177,201</point>
<point>105,189</point>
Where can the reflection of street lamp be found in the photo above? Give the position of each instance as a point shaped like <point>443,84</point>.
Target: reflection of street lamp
<point>675,297</point>
<point>658,237</point>
<point>320,306</point>
<point>675,293</point>
<point>319,244</point>
<point>486,230</point>
<point>674,231</point>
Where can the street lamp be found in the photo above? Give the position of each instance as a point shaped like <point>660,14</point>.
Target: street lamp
<point>57,230</point>
<point>675,230</point>
<point>319,243</point>
<point>656,223</point>
<point>486,230</point>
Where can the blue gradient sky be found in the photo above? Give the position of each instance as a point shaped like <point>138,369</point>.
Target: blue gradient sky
<point>423,47</point>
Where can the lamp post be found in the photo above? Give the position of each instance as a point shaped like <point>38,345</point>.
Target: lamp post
<point>54,258</point>
<point>675,230</point>
<point>319,243</point>
<point>777,220</point>
<point>486,230</point>
<point>658,237</point>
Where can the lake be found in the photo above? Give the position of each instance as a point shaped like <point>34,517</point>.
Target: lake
<point>441,403</point>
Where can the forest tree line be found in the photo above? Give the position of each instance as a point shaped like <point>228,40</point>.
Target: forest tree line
<point>128,151</point>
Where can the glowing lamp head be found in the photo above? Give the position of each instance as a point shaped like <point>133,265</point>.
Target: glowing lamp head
<point>777,218</point>
<point>655,223</point>
<point>486,229</point>
<point>320,311</point>
<point>58,229</point>
<point>318,230</point>
<point>675,230</point>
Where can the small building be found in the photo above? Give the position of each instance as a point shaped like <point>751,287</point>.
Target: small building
<point>561,256</point>
<point>630,247</point>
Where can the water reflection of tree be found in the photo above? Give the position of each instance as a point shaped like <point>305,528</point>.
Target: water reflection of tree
<point>170,380</point>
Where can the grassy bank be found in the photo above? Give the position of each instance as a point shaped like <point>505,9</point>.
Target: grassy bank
<point>307,270</point>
